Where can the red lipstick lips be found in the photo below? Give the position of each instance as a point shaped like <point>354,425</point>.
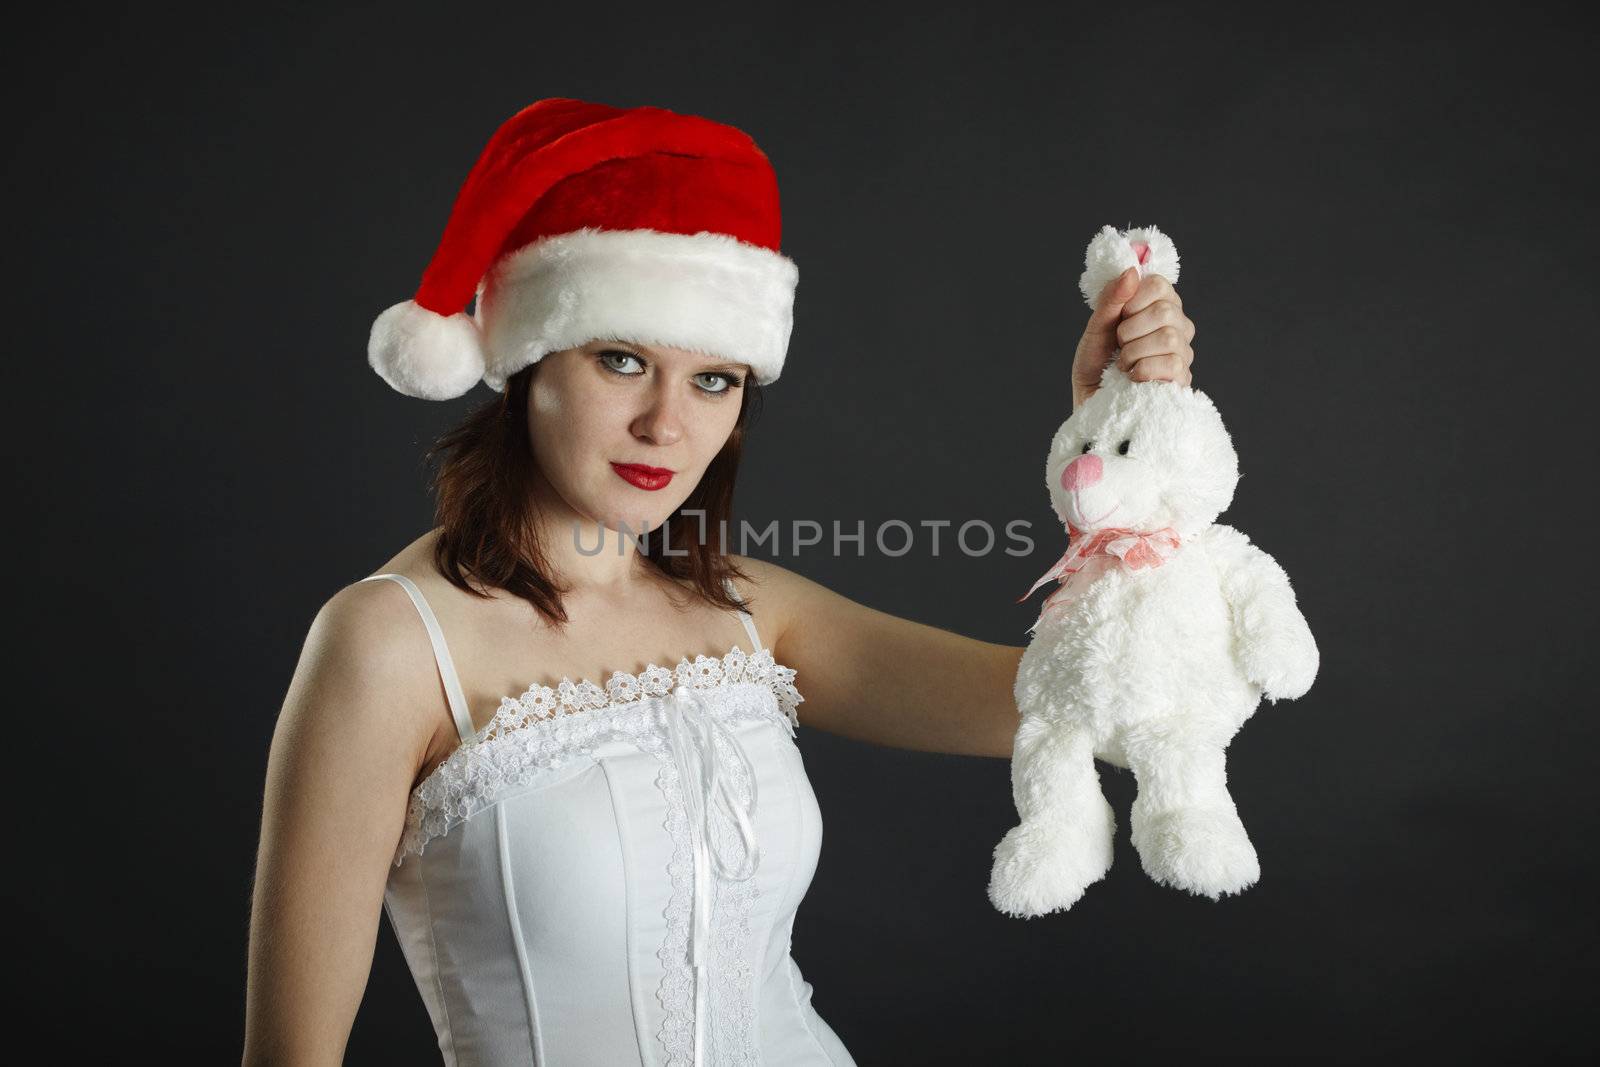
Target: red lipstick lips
<point>643,477</point>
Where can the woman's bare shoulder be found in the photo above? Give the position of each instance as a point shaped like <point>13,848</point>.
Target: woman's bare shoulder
<point>368,647</point>
<point>415,560</point>
<point>790,597</point>
<point>777,594</point>
<point>361,689</point>
<point>772,578</point>
<point>370,633</point>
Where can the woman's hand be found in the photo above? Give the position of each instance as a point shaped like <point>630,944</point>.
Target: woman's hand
<point>1145,320</point>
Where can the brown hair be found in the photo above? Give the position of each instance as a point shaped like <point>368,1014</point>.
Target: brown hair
<point>485,504</point>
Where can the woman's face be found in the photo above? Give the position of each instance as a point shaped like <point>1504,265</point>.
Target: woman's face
<point>614,404</point>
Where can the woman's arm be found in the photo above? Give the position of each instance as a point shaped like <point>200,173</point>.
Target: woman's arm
<point>354,730</point>
<point>871,676</point>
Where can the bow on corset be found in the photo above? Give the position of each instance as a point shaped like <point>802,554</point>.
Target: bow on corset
<point>1136,550</point>
<point>692,732</point>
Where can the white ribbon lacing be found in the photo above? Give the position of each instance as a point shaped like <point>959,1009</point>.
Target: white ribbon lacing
<point>692,732</point>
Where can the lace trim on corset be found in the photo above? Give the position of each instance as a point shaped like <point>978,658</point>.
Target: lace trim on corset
<point>547,727</point>
<point>730,1026</point>
<point>731,1034</point>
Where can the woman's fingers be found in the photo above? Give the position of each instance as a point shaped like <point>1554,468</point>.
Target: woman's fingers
<point>1169,367</point>
<point>1159,342</point>
<point>1158,313</point>
<point>1152,287</point>
<point>1154,334</point>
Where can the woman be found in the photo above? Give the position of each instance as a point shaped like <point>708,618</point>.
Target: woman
<point>598,871</point>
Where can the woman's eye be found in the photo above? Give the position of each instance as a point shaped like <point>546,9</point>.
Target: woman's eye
<point>715,382</point>
<point>1122,449</point>
<point>607,356</point>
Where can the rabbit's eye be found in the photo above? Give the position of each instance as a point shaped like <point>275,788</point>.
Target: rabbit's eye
<point>1122,449</point>
<point>1086,446</point>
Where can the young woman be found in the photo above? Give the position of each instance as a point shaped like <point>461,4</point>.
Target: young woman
<point>557,753</point>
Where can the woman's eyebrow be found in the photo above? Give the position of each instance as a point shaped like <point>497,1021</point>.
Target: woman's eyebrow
<point>724,365</point>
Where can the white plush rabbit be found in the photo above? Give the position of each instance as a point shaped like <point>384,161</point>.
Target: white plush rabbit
<point>1166,631</point>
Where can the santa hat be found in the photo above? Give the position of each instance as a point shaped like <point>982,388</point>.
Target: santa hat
<point>581,222</point>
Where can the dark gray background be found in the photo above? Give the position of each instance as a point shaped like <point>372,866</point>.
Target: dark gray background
<point>1388,245</point>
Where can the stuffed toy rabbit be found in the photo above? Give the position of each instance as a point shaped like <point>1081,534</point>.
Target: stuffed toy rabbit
<point>1164,634</point>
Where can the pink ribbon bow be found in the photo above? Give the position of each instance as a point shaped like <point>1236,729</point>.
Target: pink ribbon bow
<point>1136,550</point>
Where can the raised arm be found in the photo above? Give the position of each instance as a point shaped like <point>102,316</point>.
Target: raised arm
<point>871,676</point>
<point>354,730</point>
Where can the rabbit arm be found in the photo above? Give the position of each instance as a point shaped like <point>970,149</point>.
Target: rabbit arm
<point>1273,643</point>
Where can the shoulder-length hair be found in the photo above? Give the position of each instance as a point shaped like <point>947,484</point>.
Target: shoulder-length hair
<point>485,505</point>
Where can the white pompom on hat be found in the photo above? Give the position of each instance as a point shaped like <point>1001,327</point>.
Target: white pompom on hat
<point>582,221</point>
<point>424,354</point>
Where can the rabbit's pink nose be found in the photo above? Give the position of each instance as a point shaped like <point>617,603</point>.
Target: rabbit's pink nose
<point>1082,472</point>
<point>1141,249</point>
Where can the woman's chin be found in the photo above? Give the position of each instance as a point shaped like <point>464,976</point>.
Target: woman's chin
<point>628,511</point>
<point>621,519</point>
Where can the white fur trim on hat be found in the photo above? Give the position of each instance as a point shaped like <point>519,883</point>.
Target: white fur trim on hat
<point>707,292</point>
<point>1111,252</point>
<point>424,354</point>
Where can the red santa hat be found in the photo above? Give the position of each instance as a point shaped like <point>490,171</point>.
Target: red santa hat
<point>582,221</point>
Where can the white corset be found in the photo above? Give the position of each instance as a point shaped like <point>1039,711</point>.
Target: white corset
<point>611,875</point>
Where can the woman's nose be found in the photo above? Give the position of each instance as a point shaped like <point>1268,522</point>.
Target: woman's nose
<point>1082,472</point>
<point>659,424</point>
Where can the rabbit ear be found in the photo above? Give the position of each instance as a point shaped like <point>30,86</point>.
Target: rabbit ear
<point>1113,251</point>
<point>1158,256</point>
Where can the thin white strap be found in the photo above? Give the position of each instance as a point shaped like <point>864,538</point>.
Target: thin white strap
<point>441,655</point>
<point>744,616</point>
